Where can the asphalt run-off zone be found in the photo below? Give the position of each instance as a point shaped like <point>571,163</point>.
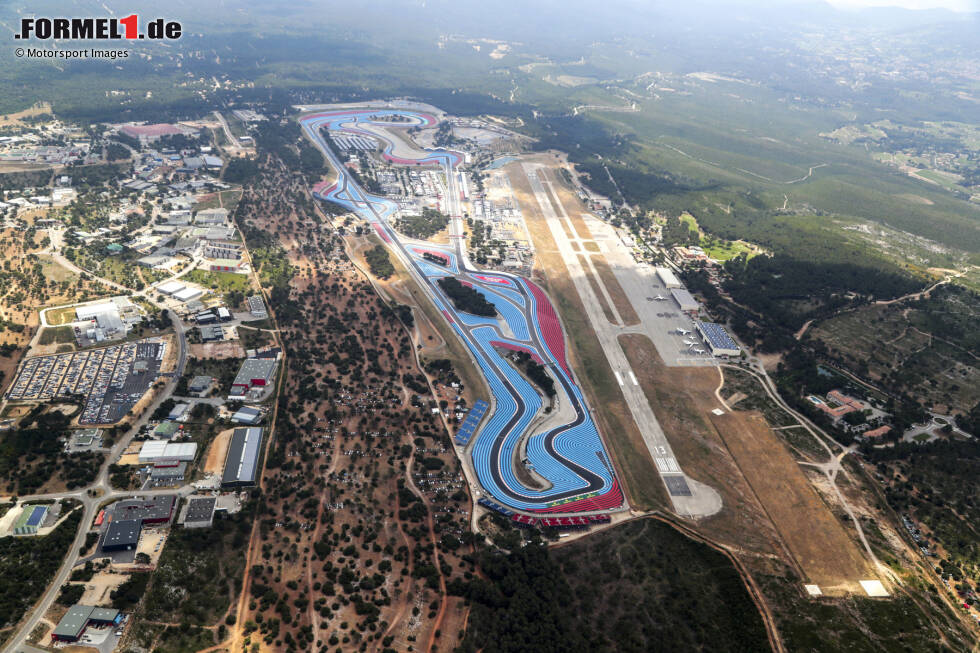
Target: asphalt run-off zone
<point>569,457</point>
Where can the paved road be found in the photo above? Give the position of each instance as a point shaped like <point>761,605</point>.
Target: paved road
<point>234,144</point>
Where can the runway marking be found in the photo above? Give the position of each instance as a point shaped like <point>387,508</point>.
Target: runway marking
<point>667,465</point>
<point>619,378</point>
<point>633,378</point>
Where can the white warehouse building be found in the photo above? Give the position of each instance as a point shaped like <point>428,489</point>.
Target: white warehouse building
<point>668,278</point>
<point>154,451</point>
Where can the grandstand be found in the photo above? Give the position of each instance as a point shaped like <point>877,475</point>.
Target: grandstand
<point>468,428</point>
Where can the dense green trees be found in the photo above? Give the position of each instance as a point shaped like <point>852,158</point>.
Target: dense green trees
<point>27,565</point>
<point>639,587</point>
<point>466,298</point>
<point>423,226</point>
<point>536,372</point>
<point>380,263</point>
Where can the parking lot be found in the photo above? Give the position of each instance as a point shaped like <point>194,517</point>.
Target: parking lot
<point>113,378</point>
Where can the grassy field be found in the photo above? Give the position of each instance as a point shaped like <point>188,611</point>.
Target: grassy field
<point>832,560</point>
<point>61,335</point>
<point>616,292</point>
<point>220,281</point>
<point>583,261</point>
<point>724,250</point>
<point>59,316</point>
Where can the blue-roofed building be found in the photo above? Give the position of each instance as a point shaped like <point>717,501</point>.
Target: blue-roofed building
<point>468,427</point>
<point>30,520</point>
<point>718,340</point>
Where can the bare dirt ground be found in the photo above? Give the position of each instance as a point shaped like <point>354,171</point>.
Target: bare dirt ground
<point>151,543</point>
<point>97,589</point>
<point>217,452</point>
<point>217,350</point>
<point>824,551</point>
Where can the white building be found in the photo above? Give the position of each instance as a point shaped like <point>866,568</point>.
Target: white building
<point>187,294</point>
<point>154,451</point>
<point>170,287</point>
<point>668,278</point>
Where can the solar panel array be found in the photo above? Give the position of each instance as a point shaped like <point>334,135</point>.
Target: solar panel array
<point>716,334</point>
<point>468,428</point>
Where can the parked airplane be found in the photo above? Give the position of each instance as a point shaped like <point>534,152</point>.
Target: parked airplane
<point>660,298</point>
<point>682,332</point>
<point>699,351</point>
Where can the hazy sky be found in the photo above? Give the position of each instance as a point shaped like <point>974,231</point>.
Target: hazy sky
<point>955,5</point>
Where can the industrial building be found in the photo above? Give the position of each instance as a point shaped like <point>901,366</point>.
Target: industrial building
<point>247,415</point>
<point>79,617</point>
<point>256,306</point>
<point>212,333</point>
<point>170,287</point>
<point>167,473</point>
<point>152,509</point>
<point>685,300</point>
<point>718,340</point>
<point>225,265</point>
<point>30,520</point>
<point>255,372</point>
<point>154,451</point>
<point>200,385</point>
<point>242,462</point>
<point>187,294</point>
<point>199,512</point>
<point>668,278</point>
<point>122,535</point>
<point>178,411</point>
<point>152,133</point>
<point>166,430</point>
<point>217,216</point>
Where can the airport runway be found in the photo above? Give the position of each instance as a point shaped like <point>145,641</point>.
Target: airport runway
<point>689,497</point>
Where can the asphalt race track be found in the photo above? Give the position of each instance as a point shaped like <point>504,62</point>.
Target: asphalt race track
<point>571,457</point>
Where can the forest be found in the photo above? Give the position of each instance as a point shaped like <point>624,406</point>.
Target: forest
<point>620,590</point>
<point>27,565</point>
<point>379,261</point>
<point>466,298</point>
<point>423,226</point>
<point>536,372</point>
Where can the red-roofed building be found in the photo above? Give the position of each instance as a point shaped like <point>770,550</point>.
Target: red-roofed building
<point>152,133</point>
<point>878,432</point>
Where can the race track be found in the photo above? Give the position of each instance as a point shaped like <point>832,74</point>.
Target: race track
<point>570,457</point>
